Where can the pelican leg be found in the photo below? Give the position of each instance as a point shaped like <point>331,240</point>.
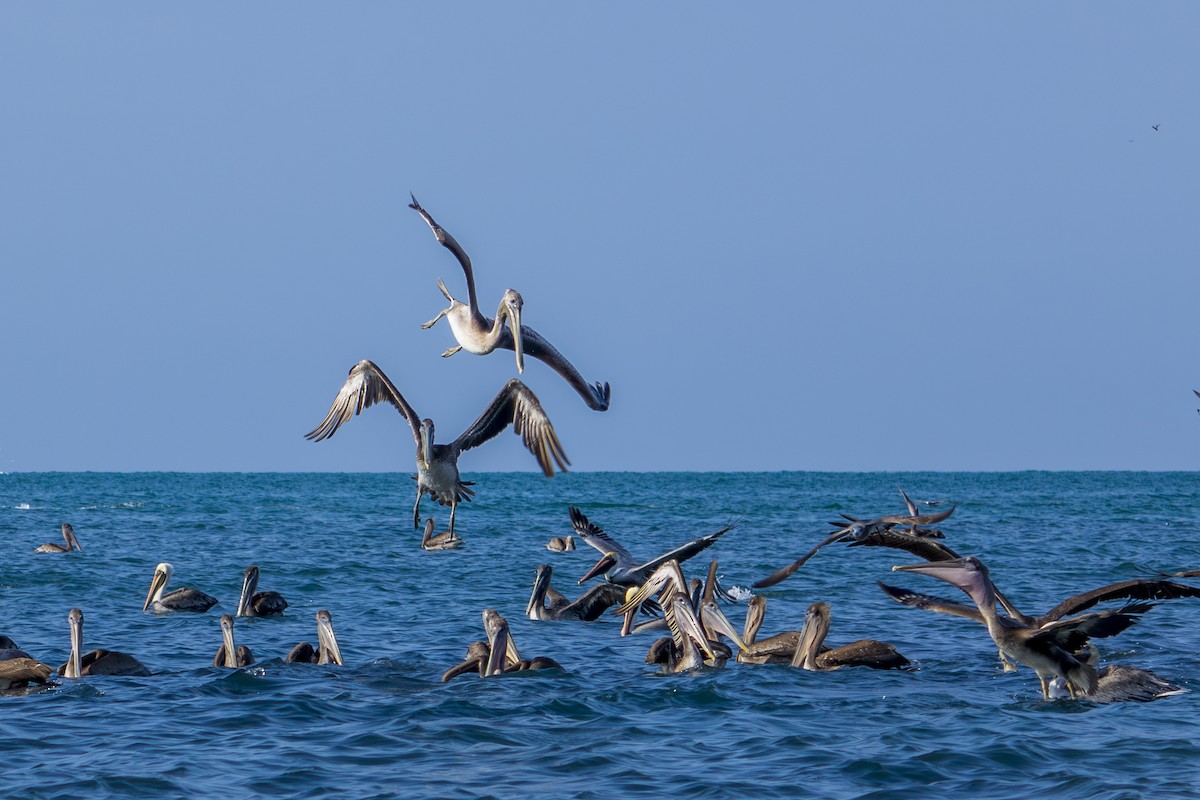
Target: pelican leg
<point>453,508</point>
<point>451,351</point>
<point>1007,665</point>
<point>427,325</point>
<point>417,511</point>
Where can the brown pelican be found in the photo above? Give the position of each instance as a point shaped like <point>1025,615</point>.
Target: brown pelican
<point>437,464</point>
<point>1047,649</point>
<point>503,656</point>
<point>327,651</point>
<point>777,649</point>
<point>862,653</point>
<point>476,661</point>
<point>228,655</point>
<point>18,669</point>
<point>1119,682</point>
<point>95,662</point>
<point>185,599</point>
<point>443,541</point>
<point>477,334</point>
<point>546,604</point>
<point>559,544</point>
<point>68,536</point>
<point>618,565</point>
<point>258,604</point>
<point>857,529</point>
<point>688,649</point>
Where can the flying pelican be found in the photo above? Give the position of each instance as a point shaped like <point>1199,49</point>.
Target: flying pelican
<point>480,335</point>
<point>95,662</point>
<point>588,607</point>
<point>69,536</point>
<point>437,464</point>
<point>18,669</point>
<point>327,651</point>
<point>443,541</point>
<point>862,653</point>
<point>618,565</point>
<point>857,529</point>
<point>227,654</point>
<point>258,604</point>
<point>1046,649</point>
<point>185,599</point>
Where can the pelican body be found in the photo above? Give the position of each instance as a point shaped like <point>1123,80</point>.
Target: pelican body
<point>72,543</point>
<point>18,669</point>
<point>477,334</point>
<point>228,654</point>
<point>437,464</point>
<point>327,650</point>
<point>95,662</point>
<point>258,604</point>
<point>185,599</point>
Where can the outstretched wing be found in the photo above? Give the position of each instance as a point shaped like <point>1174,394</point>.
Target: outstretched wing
<point>684,551</point>
<point>448,241</point>
<point>594,535</point>
<point>1137,589</point>
<point>366,386</point>
<point>1072,634</point>
<point>517,404</point>
<point>931,603</point>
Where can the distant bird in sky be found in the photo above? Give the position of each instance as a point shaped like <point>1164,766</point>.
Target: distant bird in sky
<point>437,464</point>
<point>1197,393</point>
<point>480,335</point>
<point>1155,127</point>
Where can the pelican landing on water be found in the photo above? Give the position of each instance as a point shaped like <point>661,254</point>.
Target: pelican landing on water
<point>437,464</point>
<point>477,334</point>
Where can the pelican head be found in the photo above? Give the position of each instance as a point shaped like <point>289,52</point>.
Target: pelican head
<point>688,625</point>
<point>510,307</point>
<point>425,451</point>
<point>968,574</point>
<point>68,533</point>
<point>327,644</point>
<point>249,584</point>
<point>812,635</point>
<point>75,660</point>
<point>541,582</point>
<point>606,562</point>
<point>756,612</point>
<point>716,622</point>
<point>162,576</point>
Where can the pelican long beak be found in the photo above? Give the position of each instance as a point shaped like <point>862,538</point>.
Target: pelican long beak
<point>606,561</point>
<point>967,574</point>
<point>69,534</point>
<point>514,326</point>
<point>327,644</point>
<point>426,449</point>
<point>541,582</point>
<point>249,583</point>
<point>75,660</point>
<point>717,622</point>
<point>156,586</point>
<point>499,657</point>
<point>689,626</point>
<point>227,655</point>
<point>811,636</point>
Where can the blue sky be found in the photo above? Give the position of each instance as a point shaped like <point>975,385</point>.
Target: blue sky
<point>837,236</point>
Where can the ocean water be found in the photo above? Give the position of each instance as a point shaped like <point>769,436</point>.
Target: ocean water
<point>607,725</point>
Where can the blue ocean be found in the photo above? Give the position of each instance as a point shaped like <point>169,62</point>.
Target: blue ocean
<point>606,725</point>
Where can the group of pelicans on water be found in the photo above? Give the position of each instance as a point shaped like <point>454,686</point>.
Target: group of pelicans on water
<point>20,670</point>
<point>657,595</point>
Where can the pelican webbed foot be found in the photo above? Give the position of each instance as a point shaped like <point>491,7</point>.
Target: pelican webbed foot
<point>427,325</point>
<point>451,351</point>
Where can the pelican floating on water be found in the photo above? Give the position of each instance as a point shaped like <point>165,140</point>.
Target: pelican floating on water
<point>258,604</point>
<point>546,604</point>
<point>1119,683</point>
<point>776,649</point>
<point>502,650</point>
<point>95,662</point>
<point>185,599</point>
<point>442,541</point>
<point>477,334</point>
<point>1046,649</point>
<point>228,654</point>
<point>327,650</point>
<point>863,653</point>
<point>437,464</point>
<point>72,543</point>
<point>561,544</point>
<point>618,565</point>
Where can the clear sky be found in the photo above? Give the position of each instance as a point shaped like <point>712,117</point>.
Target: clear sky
<point>834,236</point>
